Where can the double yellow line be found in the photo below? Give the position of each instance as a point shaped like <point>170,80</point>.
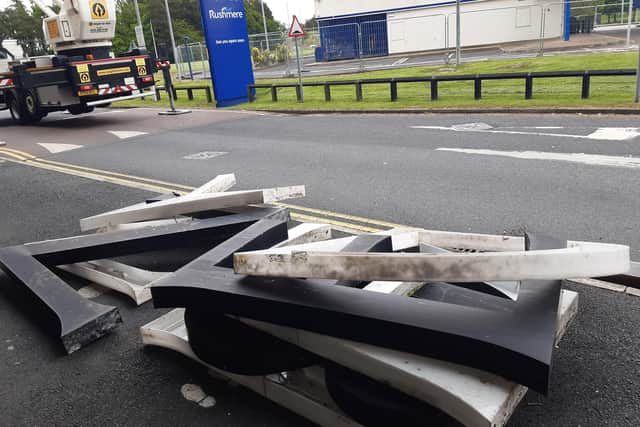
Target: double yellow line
<point>299,213</point>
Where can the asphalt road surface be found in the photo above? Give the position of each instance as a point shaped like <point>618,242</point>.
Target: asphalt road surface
<point>571,176</point>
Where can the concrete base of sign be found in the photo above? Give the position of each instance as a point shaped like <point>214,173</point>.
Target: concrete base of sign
<point>174,112</point>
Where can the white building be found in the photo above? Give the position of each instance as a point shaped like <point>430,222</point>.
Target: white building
<point>399,26</point>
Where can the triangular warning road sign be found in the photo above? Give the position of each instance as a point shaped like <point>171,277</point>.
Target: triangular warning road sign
<point>296,29</point>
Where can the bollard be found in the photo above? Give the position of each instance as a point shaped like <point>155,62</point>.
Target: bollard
<point>327,92</point>
<point>477,88</point>
<point>586,83</point>
<point>359,91</point>
<point>434,89</point>
<point>274,94</point>
<point>394,90</point>
<point>251,93</point>
<point>528,87</point>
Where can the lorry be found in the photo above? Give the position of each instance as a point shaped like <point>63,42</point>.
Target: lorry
<point>82,72</point>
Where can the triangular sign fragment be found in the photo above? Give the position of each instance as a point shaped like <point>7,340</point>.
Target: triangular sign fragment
<point>296,29</point>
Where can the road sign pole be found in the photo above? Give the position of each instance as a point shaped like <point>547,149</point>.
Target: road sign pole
<point>299,70</point>
<point>629,20</point>
<point>458,49</point>
<point>638,77</point>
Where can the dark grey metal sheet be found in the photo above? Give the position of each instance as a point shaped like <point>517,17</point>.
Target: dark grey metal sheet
<point>175,236</point>
<point>80,321</point>
<point>515,342</point>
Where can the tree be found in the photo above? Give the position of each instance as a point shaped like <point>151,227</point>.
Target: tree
<point>24,25</point>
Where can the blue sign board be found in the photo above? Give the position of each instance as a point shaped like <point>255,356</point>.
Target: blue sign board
<point>225,29</point>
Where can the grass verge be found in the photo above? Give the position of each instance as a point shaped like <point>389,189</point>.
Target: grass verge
<point>606,92</point>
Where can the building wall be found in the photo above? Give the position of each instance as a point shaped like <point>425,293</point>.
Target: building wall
<point>330,8</point>
<point>418,26</point>
<point>481,23</point>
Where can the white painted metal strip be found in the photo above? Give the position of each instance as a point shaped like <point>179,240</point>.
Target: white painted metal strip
<point>186,205</point>
<point>584,260</point>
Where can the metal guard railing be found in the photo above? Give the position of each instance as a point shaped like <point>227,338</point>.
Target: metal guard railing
<point>434,80</point>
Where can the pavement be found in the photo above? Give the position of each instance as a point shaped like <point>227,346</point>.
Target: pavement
<point>565,175</point>
<point>604,39</point>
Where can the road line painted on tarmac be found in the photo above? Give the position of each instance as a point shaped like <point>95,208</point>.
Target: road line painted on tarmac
<point>29,157</point>
<point>343,225</point>
<point>135,182</point>
<point>102,178</point>
<point>587,159</point>
<point>344,216</point>
<point>602,134</point>
<point>400,62</point>
<point>59,148</point>
<point>126,134</point>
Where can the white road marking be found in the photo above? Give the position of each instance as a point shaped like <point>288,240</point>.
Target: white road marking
<point>59,148</point>
<point>532,127</point>
<point>400,62</point>
<point>80,116</point>
<point>125,134</point>
<point>205,155</point>
<point>587,159</point>
<point>602,134</point>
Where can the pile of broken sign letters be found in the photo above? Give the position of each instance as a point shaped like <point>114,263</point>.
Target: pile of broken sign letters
<point>394,325</point>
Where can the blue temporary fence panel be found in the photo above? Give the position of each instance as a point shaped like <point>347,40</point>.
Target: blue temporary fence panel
<point>225,29</point>
<point>342,38</point>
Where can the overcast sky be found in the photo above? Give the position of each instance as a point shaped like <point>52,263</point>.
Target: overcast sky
<point>302,8</point>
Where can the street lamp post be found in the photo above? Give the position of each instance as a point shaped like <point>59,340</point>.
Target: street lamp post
<point>264,22</point>
<point>458,50</point>
<point>139,29</point>
<point>173,39</point>
<point>638,77</point>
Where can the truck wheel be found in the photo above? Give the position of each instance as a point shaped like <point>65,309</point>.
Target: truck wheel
<point>25,110</point>
<point>80,109</point>
<point>15,110</point>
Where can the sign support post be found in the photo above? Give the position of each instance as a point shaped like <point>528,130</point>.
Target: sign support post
<point>296,31</point>
<point>637,100</point>
<point>299,72</point>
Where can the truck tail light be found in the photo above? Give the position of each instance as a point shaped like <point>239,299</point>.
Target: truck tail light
<point>86,87</point>
<point>147,79</point>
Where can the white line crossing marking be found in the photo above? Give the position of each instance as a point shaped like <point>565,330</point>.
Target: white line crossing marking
<point>400,61</point>
<point>125,134</point>
<point>59,148</point>
<point>602,134</point>
<point>587,159</point>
